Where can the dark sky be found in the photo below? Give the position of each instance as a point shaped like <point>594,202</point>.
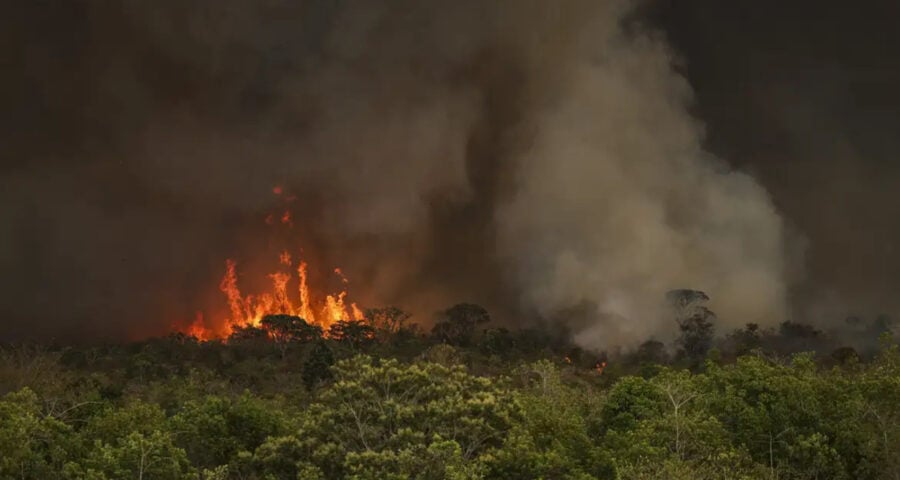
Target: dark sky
<point>803,95</point>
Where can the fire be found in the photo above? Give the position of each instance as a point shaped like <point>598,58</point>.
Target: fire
<point>356,312</point>
<point>197,329</point>
<point>305,304</point>
<point>600,367</point>
<point>245,310</point>
<point>249,310</point>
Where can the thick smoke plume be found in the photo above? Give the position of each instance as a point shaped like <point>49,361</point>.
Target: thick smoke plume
<point>536,157</point>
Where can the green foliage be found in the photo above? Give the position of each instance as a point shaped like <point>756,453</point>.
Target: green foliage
<point>134,441</point>
<point>554,439</point>
<point>32,445</point>
<point>214,430</point>
<point>135,455</point>
<point>316,368</point>
<point>497,404</point>
<point>383,419</point>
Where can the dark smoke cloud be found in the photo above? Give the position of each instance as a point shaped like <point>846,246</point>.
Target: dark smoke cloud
<point>531,156</point>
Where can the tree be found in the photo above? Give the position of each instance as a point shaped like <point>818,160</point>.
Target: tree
<point>382,419</point>
<point>497,341</point>
<point>287,329</point>
<point>213,430</point>
<point>799,337</point>
<point>554,438</point>
<point>845,356</point>
<point>316,368</point>
<point>662,428</point>
<point>651,352</point>
<point>130,442</point>
<point>457,324</point>
<point>248,334</point>
<point>744,340</point>
<point>387,319</point>
<point>134,455</point>
<point>798,422</point>
<point>880,392</point>
<point>686,302</point>
<point>694,321</point>
<point>354,333</point>
<point>32,445</point>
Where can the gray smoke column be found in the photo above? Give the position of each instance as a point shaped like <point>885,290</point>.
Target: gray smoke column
<point>614,202</point>
<point>572,137</point>
<point>528,155</point>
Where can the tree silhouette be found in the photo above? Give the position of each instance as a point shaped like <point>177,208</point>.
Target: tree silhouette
<point>354,333</point>
<point>694,321</point>
<point>457,324</point>
<point>285,329</point>
<point>316,368</point>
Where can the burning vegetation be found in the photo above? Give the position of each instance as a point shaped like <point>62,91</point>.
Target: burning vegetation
<point>250,309</point>
<point>290,294</point>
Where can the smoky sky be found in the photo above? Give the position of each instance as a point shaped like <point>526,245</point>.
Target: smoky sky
<point>529,156</point>
<point>804,95</point>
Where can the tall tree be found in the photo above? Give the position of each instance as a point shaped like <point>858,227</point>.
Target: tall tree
<point>457,324</point>
<point>694,322</point>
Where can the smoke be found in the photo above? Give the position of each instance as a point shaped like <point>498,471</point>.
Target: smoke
<point>616,202</point>
<point>804,94</point>
<point>530,156</point>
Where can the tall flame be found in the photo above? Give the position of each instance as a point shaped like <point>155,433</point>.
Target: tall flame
<point>249,310</point>
<point>306,311</point>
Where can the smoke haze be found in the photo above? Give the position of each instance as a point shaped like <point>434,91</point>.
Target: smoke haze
<point>535,157</point>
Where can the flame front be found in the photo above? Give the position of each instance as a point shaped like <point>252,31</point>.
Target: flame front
<point>249,310</point>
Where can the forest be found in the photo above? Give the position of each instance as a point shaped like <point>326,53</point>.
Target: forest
<point>384,398</point>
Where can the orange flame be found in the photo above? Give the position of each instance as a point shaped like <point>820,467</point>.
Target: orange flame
<point>357,313</point>
<point>229,287</point>
<point>197,329</point>
<point>306,311</point>
<point>249,310</point>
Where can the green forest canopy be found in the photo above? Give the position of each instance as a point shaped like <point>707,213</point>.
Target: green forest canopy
<point>382,400</point>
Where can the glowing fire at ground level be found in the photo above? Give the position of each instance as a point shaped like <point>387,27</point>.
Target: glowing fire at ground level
<point>249,310</point>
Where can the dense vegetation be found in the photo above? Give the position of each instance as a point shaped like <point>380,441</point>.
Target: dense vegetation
<point>380,399</point>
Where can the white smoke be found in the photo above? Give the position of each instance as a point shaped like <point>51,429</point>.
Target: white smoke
<point>616,202</point>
